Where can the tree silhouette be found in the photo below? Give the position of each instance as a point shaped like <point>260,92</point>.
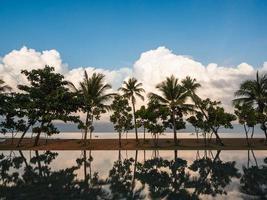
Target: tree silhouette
<point>131,89</point>
<point>93,97</point>
<point>121,118</point>
<point>173,96</point>
<point>254,93</point>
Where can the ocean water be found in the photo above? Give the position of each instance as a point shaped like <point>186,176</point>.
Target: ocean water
<point>163,174</point>
<point>114,135</point>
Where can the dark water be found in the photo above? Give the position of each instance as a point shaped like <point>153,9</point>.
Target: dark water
<point>133,174</point>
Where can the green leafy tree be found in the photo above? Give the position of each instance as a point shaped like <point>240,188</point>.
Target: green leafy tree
<point>131,89</point>
<point>254,93</point>
<point>215,118</point>
<point>173,96</point>
<point>3,87</point>
<point>247,116</point>
<point>141,119</point>
<point>93,98</point>
<point>48,99</point>
<point>156,119</point>
<point>121,117</point>
<point>11,118</point>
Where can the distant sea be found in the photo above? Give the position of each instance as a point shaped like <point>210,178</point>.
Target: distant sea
<point>114,135</point>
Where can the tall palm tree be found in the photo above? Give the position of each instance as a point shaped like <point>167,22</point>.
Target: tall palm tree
<point>254,93</point>
<point>130,89</point>
<point>173,95</point>
<point>94,97</point>
<point>4,87</point>
<point>191,85</point>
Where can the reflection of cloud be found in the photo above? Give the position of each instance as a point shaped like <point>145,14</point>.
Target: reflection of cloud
<point>218,82</point>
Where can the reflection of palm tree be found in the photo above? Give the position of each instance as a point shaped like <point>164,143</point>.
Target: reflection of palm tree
<point>254,92</point>
<point>166,179</point>
<point>48,184</point>
<point>214,175</point>
<point>122,181</point>
<point>173,97</point>
<point>254,179</point>
<point>131,89</point>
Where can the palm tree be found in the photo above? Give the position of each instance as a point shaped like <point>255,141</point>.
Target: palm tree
<point>130,89</point>
<point>254,93</point>
<point>191,85</point>
<point>93,94</point>
<point>3,87</point>
<point>173,96</point>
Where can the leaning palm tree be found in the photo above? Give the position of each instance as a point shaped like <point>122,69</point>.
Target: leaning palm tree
<point>254,93</point>
<point>173,96</point>
<point>191,85</point>
<point>3,87</point>
<point>130,89</point>
<point>94,97</point>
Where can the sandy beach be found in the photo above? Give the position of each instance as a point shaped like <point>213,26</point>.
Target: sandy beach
<point>130,144</point>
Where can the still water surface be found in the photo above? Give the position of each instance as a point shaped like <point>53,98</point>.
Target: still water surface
<point>133,174</point>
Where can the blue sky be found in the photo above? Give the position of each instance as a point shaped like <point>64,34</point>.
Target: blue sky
<point>112,34</point>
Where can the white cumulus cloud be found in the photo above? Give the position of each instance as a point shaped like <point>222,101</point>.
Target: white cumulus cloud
<point>152,67</point>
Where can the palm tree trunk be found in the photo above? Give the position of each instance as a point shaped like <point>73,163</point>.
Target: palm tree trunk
<point>135,128</point>
<point>91,130</point>
<point>120,139</point>
<point>246,131</point>
<point>174,128</point>
<point>265,131</point>
<point>144,133</point>
<point>86,127</point>
<point>252,132</point>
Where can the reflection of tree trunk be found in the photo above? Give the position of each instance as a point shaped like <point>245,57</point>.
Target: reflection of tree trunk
<point>24,159</point>
<point>134,172</point>
<point>135,128</point>
<point>85,167</point>
<point>255,159</point>
<point>204,177</point>
<point>175,154</point>
<point>90,164</point>
<point>248,159</point>
<point>119,155</point>
<point>39,163</point>
<point>144,155</point>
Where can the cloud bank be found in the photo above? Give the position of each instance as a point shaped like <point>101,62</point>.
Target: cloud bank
<point>152,67</point>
